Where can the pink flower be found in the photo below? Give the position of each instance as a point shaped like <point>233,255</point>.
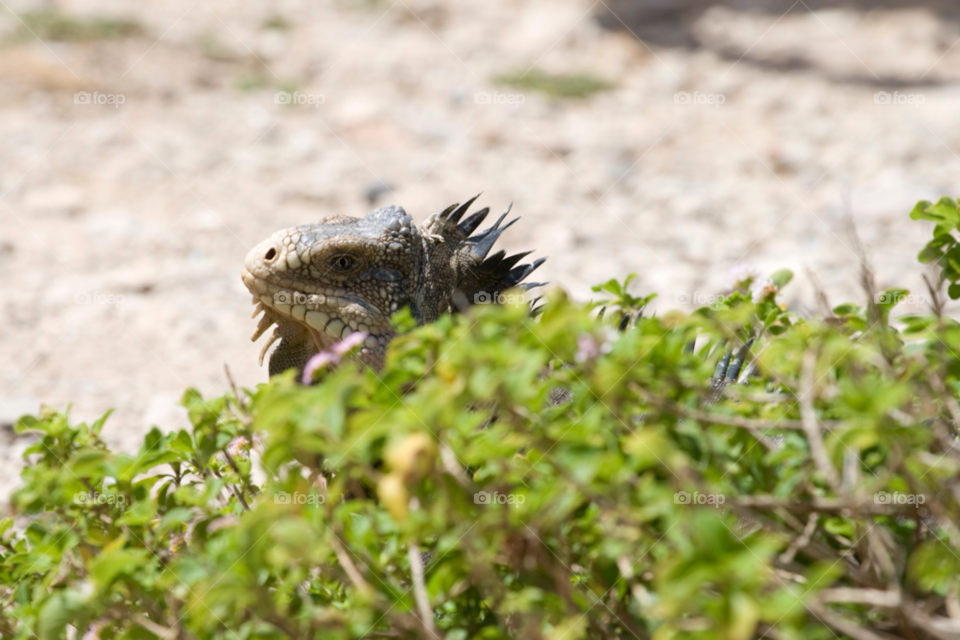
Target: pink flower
<point>349,343</point>
<point>742,274</point>
<point>587,348</point>
<point>317,363</point>
<point>331,358</point>
<point>238,446</point>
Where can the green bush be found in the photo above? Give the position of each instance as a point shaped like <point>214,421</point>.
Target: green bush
<point>509,477</point>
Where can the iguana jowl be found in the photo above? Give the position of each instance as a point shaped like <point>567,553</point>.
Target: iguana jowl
<point>318,283</point>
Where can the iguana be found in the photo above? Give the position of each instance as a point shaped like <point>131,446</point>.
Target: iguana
<point>320,282</point>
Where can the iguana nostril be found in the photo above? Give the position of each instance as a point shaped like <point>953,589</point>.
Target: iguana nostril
<point>271,254</point>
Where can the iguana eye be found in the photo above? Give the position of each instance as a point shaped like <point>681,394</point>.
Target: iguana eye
<point>343,263</point>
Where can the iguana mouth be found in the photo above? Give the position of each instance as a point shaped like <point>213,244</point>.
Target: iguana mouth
<point>329,315</point>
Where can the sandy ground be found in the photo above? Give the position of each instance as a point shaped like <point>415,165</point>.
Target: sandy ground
<point>123,226</point>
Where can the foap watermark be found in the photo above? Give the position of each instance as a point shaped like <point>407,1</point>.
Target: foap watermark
<point>85,297</point>
<point>285,97</point>
<point>892,297</point>
<point>882,497</point>
<point>114,99</point>
<point>299,298</point>
<point>709,99</point>
<point>516,499</point>
<point>712,499</point>
<point>911,99</point>
<point>699,299</point>
<point>513,99</point>
<point>312,499</point>
<point>96,498</point>
<point>498,298</point>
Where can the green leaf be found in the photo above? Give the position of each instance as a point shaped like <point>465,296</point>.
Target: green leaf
<point>139,513</point>
<point>173,518</point>
<point>929,254</point>
<point>88,463</point>
<point>111,565</point>
<point>945,210</point>
<point>933,565</point>
<point>782,278</point>
<point>97,426</point>
<point>62,607</point>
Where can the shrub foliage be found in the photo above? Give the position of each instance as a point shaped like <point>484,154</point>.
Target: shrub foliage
<point>510,477</point>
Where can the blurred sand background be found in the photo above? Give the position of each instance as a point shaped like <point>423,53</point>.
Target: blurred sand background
<point>156,201</point>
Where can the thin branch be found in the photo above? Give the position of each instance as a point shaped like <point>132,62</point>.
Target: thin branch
<point>344,558</point>
<point>810,424</point>
<point>233,386</point>
<point>936,303</point>
<point>705,416</point>
<point>875,597</point>
<point>803,540</point>
<point>826,309</point>
<point>850,505</point>
<point>160,631</point>
<point>953,601</point>
<point>937,626</point>
<point>452,466</point>
<point>420,589</point>
<point>243,479</point>
<point>839,623</point>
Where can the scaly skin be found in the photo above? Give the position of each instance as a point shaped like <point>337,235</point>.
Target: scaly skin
<point>320,282</point>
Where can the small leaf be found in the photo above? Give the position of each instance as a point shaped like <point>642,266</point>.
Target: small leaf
<point>782,278</point>
<point>97,426</point>
<point>110,565</point>
<point>88,462</point>
<point>944,211</point>
<point>929,254</point>
<point>63,607</point>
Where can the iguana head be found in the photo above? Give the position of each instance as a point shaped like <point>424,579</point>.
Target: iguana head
<point>320,282</point>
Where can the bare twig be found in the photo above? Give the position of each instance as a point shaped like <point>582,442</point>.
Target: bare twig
<point>879,548</point>
<point>420,589</point>
<point>839,623</point>
<point>952,408</point>
<point>237,492</point>
<point>705,416</point>
<point>809,421</point>
<point>233,387</point>
<point>452,466</point>
<point>801,541</point>
<point>936,302</point>
<point>738,394</point>
<point>344,558</point>
<point>158,630</point>
<point>867,279</point>
<point>849,505</point>
<point>821,295</point>
<point>242,412</point>
<point>953,600</point>
<point>851,471</point>
<point>937,626</point>
<point>875,597</point>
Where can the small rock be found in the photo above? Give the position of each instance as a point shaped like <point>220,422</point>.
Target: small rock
<point>376,190</point>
